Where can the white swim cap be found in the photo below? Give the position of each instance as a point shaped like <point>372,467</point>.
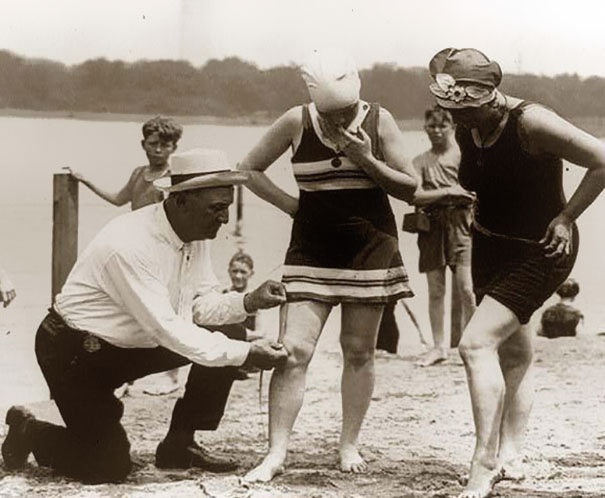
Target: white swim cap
<point>332,79</point>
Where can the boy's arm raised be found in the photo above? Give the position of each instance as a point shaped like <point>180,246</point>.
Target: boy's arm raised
<point>116,198</point>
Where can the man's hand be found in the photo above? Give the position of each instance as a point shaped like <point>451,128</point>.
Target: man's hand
<point>268,295</point>
<point>266,354</point>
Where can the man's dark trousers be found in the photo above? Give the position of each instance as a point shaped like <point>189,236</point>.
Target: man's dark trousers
<point>82,372</point>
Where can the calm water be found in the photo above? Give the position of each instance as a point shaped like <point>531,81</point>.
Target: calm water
<point>108,151</point>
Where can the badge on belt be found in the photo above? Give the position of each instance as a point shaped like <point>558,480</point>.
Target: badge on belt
<point>91,344</point>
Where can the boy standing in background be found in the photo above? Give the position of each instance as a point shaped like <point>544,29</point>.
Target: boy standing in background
<point>160,139</point>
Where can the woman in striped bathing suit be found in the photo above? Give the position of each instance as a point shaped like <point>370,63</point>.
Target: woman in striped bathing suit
<point>347,156</point>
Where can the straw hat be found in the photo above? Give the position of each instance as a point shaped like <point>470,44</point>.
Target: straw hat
<point>199,168</point>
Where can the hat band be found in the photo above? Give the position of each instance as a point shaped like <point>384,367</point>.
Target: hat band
<point>458,94</point>
<point>176,179</point>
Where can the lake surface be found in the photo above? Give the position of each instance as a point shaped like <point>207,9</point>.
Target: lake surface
<point>107,152</point>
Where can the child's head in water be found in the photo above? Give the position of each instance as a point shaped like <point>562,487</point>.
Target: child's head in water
<point>241,268</point>
<point>568,289</point>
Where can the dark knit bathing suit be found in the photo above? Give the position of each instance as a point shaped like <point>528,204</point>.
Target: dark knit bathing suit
<point>518,196</point>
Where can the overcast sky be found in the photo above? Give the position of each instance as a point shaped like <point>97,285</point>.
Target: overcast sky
<point>538,36</point>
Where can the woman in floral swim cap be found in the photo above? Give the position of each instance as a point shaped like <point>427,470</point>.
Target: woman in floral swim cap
<point>525,241</point>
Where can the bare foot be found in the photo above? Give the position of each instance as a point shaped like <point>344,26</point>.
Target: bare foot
<point>433,357</point>
<point>352,461</point>
<point>267,470</point>
<point>513,470</point>
<point>481,482</point>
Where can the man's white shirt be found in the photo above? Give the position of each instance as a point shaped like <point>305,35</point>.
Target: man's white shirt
<point>137,285</point>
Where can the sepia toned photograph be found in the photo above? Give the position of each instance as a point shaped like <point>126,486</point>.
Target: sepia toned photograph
<point>279,249</point>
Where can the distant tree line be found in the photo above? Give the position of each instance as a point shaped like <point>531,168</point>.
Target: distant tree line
<point>233,87</point>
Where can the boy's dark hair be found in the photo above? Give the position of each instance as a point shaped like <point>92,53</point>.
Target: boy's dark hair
<point>241,257</point>
<point>569,288</point>
<point>440,114</point>
<point>167,129</point>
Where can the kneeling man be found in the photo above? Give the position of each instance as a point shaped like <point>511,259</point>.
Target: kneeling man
<point>133,305</point>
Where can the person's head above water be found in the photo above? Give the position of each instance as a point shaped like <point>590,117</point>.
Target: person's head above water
<point>332,79</point>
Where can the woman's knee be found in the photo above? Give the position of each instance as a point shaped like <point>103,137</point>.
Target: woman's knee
<point>472,351</point>
<point>299,354</point>
<point>357,353</point>
<point>491,326</point>
<point>516,357</point>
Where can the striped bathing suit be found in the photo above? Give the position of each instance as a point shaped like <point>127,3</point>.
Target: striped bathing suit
<point>343,246</point>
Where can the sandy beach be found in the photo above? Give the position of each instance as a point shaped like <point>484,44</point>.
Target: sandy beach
<point>418,435</point>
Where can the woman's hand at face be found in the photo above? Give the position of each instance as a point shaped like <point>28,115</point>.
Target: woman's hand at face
<point>358,146</point>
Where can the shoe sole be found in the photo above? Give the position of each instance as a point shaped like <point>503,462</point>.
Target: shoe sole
<point>163,461</point>
<point>16,415</point>
<point>215,469</point>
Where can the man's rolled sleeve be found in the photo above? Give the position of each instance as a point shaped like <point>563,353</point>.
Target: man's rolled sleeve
<point>129,280</point>
<point>216,308</point>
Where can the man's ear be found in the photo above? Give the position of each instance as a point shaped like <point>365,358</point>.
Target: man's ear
<point>143,144</point>
<point>182,201</point>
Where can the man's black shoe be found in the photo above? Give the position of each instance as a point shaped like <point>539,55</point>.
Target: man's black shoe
<point>18,445</point>
<point>173,456</point>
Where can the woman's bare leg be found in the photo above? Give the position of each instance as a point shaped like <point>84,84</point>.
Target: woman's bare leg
<point>358,340</point>
<point>491,325</point>
<point>436,285</point>
<point>462,288</point>
<point>303,323</point>
<point>516,356</point>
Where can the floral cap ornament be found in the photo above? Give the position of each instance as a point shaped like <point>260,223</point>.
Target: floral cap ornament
<point>455,95</point>
<point>463,78</point>
<point>447,87</point>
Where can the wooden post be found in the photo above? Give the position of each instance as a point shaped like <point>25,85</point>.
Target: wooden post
<point>65,229</point>
<point>239,213</point>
